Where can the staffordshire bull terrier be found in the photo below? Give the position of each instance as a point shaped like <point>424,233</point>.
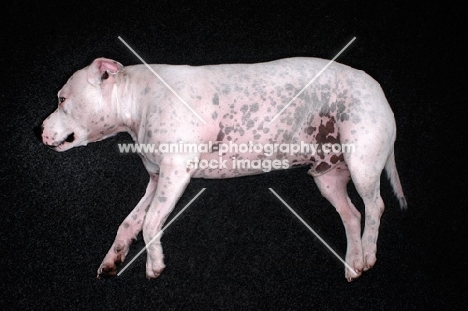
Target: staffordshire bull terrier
<point>236,104</point>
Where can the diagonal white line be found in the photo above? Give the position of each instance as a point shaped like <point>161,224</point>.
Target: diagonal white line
<point>316,76</point>
<point>161,79</point>
<point>312,230</point>
<point>160,232</point>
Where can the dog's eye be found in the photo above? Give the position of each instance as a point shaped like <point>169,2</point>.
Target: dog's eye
<point>61,99</point>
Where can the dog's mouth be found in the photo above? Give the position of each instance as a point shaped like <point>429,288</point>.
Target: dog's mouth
<point>69,139</point>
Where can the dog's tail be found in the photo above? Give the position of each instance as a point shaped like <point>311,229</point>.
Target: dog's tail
<point>390,168</point>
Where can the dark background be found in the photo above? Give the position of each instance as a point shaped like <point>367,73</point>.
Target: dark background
<point>237,246</point>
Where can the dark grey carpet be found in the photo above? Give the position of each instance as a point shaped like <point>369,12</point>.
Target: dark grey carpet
<point>237,247</point>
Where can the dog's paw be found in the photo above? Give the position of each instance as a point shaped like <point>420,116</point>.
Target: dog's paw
<point>369,246</point>
<point>355,262</point>
<point>107,269</point>
<point>114,258</point>
<point>154,267</point>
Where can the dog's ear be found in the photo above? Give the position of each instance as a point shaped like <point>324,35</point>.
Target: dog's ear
<point>101,68</point>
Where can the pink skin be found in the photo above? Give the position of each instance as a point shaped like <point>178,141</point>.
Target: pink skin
<point>81,109</point>
<point>237,102</point>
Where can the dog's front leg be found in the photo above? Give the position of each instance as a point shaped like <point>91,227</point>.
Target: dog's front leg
<point>128,231</point>
<point>174,177</point>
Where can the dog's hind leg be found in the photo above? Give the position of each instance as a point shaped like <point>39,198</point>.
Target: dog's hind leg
<point>332,186</point>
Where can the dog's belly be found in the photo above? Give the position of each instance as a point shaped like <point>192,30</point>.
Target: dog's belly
<point>216,167</point>
<point>315,143</point>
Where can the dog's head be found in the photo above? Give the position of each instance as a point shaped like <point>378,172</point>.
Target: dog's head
<point>85,111</point>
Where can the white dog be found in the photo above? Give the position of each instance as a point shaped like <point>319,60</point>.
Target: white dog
<point>238,103</point>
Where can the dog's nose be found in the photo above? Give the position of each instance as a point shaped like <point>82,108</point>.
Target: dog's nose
<point>38,132</point>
